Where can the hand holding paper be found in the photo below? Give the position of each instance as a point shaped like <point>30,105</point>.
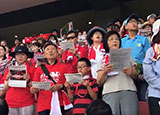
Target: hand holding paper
<point>74,78</point>
<point>26,77</point>
<point>108,67</point>
<point>67,85</point>
<point>120,58</point>
<point>34,90</point>
<point>41,85</point>
<point>67,45</point>
<point>56,87</point>
<point>85,82</point>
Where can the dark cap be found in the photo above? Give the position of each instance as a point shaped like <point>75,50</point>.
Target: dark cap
<point>132,16</point>
<point>21,49</point>
<point>92,31</point>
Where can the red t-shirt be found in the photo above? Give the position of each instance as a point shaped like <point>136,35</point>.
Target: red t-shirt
<point>57,73</point>
<point>20,97</point>
<point>82,50</point>
<point>72,63</point>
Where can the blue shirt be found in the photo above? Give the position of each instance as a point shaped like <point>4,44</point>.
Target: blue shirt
<point>139,46</point>
<point>152,74</point>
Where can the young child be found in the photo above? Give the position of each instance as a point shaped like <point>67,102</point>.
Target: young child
<point>84,93</point>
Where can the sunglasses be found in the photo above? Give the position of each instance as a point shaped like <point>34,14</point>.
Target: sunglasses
<point>72,37</point>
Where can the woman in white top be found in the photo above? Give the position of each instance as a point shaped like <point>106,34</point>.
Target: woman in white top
<point>119,90</point>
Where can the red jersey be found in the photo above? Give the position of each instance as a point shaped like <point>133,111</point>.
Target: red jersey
<point>71,60</point>
<point>82,50</point>
<point>20,97</point>
<point>57,73</point>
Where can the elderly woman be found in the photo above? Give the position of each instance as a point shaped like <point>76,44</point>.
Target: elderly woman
<point>119,90</point>
<point>20,101</point>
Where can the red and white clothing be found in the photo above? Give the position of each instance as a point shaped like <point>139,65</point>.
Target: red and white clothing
<point>3,66</point>
<point>82,50</point>
<point>71,60</point>
<point>20,97</point>
<point>95,56</point>
<point>57,73</point>
<point>13,48</point>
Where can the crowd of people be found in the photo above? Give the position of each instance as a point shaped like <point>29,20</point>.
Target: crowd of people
<point>102,91</point>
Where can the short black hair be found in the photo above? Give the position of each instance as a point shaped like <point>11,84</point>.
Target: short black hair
<point>4,48</point>
<point>73,31</point>
<point>98,107</point>
<point>55,37</point>
<point>54,30</point>
<point>49,43</point>
<point>105,41</point>
<point>88,63</point>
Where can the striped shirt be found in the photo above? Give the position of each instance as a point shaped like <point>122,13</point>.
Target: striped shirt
<point>81,96</point>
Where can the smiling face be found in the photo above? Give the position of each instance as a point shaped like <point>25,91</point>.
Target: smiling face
<point>97,37</point>
<point>50,52</point>
<point>113,42</point>
<point>21,58</point>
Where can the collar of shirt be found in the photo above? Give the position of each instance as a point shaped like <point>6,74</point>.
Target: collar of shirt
<point>85,77</point>
<point>128,38</point>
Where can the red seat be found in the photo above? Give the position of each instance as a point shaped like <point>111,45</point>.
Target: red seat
<point>143,108</point>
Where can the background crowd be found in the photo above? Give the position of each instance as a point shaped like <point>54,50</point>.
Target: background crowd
<point>102,90</point>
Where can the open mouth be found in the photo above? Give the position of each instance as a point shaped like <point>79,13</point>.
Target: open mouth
<point>115,45</point>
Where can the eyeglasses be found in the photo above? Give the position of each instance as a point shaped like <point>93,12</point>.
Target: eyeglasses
<point>81,67</point>
<point>72,37</point>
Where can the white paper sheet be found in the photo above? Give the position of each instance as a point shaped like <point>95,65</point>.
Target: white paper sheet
<point>17,83</point>
<point>67,45</point>
<point>74,78</point>
<point>41,85</point>
<point>120,58</point>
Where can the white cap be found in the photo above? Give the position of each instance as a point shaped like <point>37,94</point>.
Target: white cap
<point>156,28</point>
<point>154,15</point>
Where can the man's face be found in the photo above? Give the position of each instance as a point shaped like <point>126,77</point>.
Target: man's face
<point>72,37</point>
<point>50,52</point>
<point>132,25</point>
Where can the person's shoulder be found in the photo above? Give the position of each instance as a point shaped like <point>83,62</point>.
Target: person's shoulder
<point>150,50</point>
<point>61,64</point>
<point>141,37</point>
<point>124,38</point>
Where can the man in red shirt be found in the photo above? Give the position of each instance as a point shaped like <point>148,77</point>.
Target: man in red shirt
<point>71,56</point>
<point>56,71</point>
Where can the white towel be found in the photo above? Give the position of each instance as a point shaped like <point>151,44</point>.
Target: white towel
<point>55,105</point>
